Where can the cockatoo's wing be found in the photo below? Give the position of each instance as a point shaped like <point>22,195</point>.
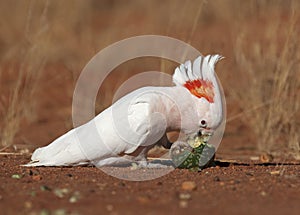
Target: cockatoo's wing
<point>146,127</point>
<point>120,129</point>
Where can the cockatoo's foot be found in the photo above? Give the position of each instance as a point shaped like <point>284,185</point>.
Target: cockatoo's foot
<point>113,161</point>
<point>151,165</point>
<point>125,162</point>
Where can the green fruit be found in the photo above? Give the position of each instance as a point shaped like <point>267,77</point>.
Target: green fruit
<point>194,158</point>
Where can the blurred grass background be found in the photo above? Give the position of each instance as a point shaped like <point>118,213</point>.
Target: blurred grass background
<point>45,44</point>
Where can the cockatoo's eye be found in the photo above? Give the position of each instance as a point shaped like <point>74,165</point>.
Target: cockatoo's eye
<point>203,123</point>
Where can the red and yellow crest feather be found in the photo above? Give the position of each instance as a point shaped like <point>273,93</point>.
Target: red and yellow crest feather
<point>199,77</point>
<point>201,89</point>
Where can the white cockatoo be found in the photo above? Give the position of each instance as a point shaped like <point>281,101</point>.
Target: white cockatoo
<point>130,127</point>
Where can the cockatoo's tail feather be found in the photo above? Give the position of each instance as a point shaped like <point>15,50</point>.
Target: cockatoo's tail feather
<point>198,77</point>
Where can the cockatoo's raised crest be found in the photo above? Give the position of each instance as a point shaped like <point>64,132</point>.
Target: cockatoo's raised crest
<point>197,78</point>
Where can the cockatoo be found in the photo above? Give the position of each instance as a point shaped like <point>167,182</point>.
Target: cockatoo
<point>129,128</point>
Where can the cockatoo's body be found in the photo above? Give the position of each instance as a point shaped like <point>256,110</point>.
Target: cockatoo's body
<point>126,130</point>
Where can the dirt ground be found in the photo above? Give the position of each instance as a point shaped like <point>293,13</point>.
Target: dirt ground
<point>228,188</point>
<point>242,182</point>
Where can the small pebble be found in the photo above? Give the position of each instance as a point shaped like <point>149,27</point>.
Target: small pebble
<point>44,212</point>
<point>61,192</point>
<point>254,158</point>
<point>143,200</point>
<point>75,197</point>
<point>45,188</point>
<point>32,193</point>
<point>101,185</point>
<point>16,176</point>
<point>109,207</point>
<point>59,212</point>
<point>263,193</point>
<point>183,204</point>
<point>188,186</point>
<point>36,177</point>
<point>249,174</point>
<point>184,196</point>
<point>266,158</point>
<point>28,205</point>
<point>277,172</point>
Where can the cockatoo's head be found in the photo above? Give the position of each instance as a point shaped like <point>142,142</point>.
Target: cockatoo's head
<point>199,79</point>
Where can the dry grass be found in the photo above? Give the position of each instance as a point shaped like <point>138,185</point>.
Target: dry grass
<point>259,39</point>
<point>270,69</point>
<point>19,103</point>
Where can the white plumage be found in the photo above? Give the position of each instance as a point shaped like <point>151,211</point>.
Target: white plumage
<point>126,130</point>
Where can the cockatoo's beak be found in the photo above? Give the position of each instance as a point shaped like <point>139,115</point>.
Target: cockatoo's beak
<point>205,133</point>
<point>201,137</point>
